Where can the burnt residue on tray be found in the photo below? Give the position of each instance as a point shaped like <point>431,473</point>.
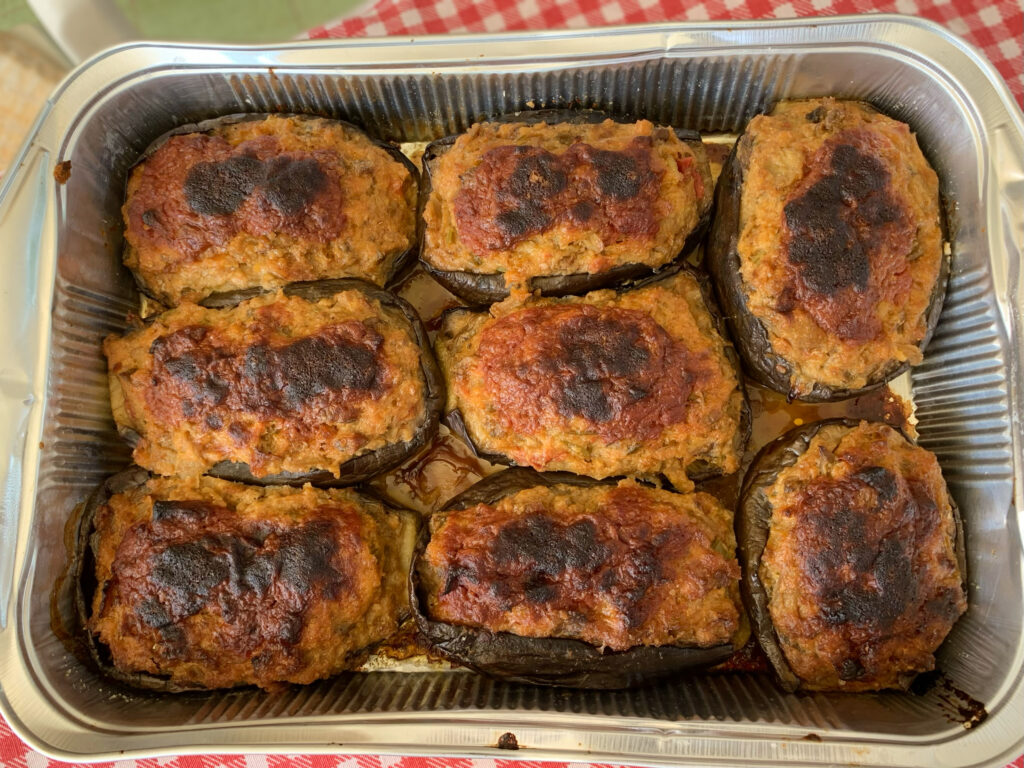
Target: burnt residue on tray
<point>508,740</point>
<point>749,658</point>
<point>954,704</point>
<point>62,172</point>
<point>445,468</point>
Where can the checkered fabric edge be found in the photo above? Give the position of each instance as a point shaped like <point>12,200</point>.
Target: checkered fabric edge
<point>14,753</point>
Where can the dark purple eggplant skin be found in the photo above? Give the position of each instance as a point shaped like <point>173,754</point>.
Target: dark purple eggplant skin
<point>367,465</point>
<point>401,262</point>
<point>556,662</point>
<point>478,289</point>
<point>699,470</point>
<point>760,360</point>
<point>753,521</point>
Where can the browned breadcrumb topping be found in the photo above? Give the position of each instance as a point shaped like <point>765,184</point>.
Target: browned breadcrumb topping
<point>278,383</point>
<point>615,368</point>
<point>614,566</point>
<point>530,200</point>
<point>216,584</point>
<point>519,191</point>
<point>636,383</point>
<point>840,244</point>
<point>860,565</point>
<point>264,203</point>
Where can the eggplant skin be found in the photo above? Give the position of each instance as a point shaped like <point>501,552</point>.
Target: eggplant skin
<point>363,466</point>
<point>761,362</point>
<point>753,526</point>
<point>82,573</point>
<point>555,662</point>
<point>480,289</point>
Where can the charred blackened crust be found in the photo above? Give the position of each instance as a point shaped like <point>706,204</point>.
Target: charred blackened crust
<point>698,470</point>
<point>478,288</point>
<point>366,465</point>
<point>760,360</point>
<point>546,661</point>
<point>400,262</point>
<point>753,521</point>
<point>81,573</point>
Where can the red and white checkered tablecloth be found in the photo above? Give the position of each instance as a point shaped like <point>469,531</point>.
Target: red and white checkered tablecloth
<point>997,28</point>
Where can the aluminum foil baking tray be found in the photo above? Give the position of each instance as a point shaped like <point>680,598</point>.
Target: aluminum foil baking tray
<point>63,289</point>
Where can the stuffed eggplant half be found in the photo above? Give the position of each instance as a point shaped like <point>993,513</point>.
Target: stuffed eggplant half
<point>328,382</point>
<point>204,583</point>
<point>853,556</point>
<point>827,248</point>
<point>264,200</point>
<point>560,201</point>
<point>639,382</point>
<point>560,580</point>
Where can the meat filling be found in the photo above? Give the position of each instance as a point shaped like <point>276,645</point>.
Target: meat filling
<point>212,584</point>
<point>860,568</point>
<point>259,579</point>
<point>199,192</point>
<point>848,239</point>
<point>518,191</point>
<point>323,377</point>
<point>615,368</point>
<point>278,383</point>
<point>636,383</point>
<point>613,566</point>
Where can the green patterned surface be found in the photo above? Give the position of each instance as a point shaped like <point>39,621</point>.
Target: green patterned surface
<point>227,21</point>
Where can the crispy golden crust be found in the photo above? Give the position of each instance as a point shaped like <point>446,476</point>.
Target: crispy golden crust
<point>217,584</point>
<point>840,243</point>
<point>265,203</point>
<point>279,383</point>
<point>530,200</point>
<point>860,566</point>
<point>636,383</point>
<point>614,566</point>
